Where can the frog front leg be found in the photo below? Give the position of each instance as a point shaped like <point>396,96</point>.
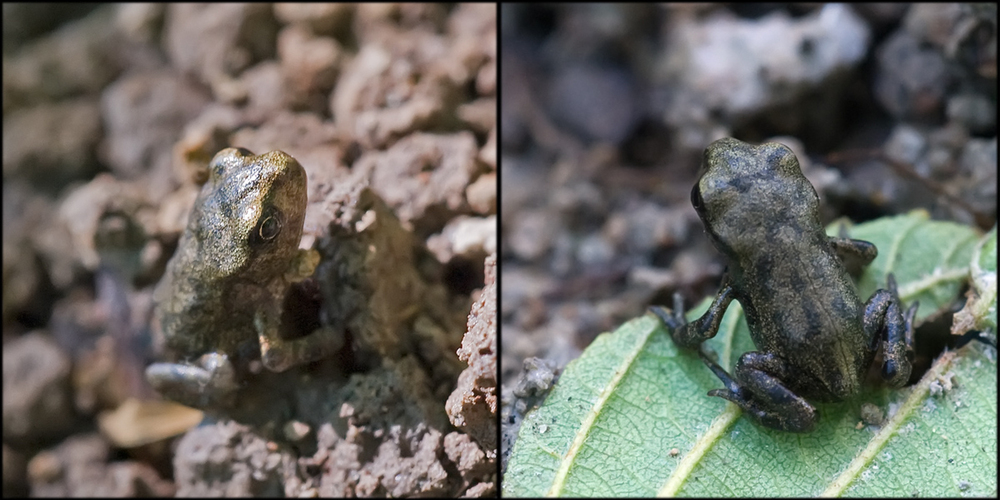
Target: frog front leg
<point>707,326</point>
<point>210,382</point>
<point>854,254</point>
<point>884,322</point>
<point>279,354</point>
<point>758,389</point>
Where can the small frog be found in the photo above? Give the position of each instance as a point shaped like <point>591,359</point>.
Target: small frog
<point>220,301</point>
<point>814,336</point>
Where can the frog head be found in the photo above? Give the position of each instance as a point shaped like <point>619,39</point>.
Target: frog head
<point>741,186</point>
<point>248,220</point>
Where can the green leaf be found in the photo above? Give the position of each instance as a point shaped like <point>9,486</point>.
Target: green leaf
<point>631,416</point>
<point>930,259</point>
<point>980,312</point>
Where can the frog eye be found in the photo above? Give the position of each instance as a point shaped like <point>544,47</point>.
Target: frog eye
<point>269,226</point>
<point>696,201</point>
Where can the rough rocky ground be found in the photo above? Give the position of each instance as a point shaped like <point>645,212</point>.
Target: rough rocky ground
<point>110,116</point>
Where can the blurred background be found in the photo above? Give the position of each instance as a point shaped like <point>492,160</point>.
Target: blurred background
<point>606,109</point>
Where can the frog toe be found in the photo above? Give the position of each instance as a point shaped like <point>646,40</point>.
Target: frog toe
<point>666,316</point>
<point>896,374</point>
<point>804,421</point>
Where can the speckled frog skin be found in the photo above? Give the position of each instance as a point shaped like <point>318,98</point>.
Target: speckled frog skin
<point>219,303</point>
<point>814,335</point>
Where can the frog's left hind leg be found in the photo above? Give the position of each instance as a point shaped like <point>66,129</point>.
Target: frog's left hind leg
<point>211,382</point>
<point>761,393</point>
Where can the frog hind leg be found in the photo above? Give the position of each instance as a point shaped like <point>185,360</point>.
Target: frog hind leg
<point>761,393</point>
<point>211,382</point>
<point>884,321</point>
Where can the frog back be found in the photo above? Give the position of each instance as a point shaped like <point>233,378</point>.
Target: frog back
<point>807,312</point>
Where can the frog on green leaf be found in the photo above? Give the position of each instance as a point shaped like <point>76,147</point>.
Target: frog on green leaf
<point>814,335</point>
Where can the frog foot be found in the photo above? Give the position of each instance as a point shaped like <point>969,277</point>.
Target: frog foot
<point>209,383</point>
<point>691,335</point>
<point>761,393</point>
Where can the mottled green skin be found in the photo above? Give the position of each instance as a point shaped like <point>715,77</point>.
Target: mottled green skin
<point>814,336</point>
<point>222,293</point>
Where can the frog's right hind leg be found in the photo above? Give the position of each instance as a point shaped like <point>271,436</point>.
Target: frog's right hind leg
<point>886,323</point>
<point>209,383</point>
